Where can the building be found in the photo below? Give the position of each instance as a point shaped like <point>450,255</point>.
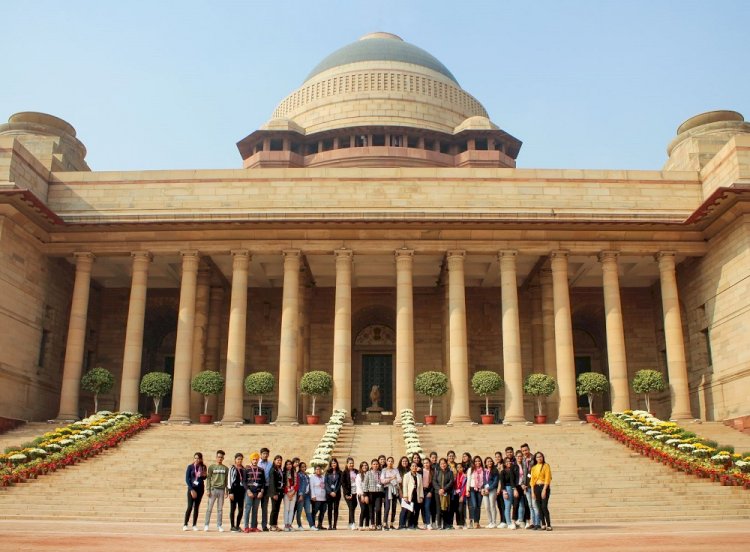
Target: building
<point>379,228</point>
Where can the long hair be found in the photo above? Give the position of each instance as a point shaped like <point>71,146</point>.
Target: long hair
<point>331,469</point>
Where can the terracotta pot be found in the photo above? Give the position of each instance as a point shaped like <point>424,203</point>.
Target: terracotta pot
<point>591,417</point>
<point>260,420</point>
<point>540,419</point>
<point>155,418</point>
<point>206,418</point>
<point>313,420</point>
<point>488,419</point>
<point>430,420</point>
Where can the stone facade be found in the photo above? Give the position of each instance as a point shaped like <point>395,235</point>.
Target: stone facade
<point>379,210</point>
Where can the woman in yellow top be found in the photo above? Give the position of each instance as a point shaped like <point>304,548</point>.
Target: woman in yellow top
<point>541,478</point>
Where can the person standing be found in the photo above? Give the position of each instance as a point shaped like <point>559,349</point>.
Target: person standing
<point>373,489</point>
<point>458,496</point>
<point>475,481</point>
<point>443,485</point>
<point>318,496</point>
<point>333,492</point>
<point>303,497</point>
<point>348,487</point>
<point>532,512</point>
<point>255,490</point>
<point>519,502</point>
<point>216,476</point>
<point>490,491</point>
<point>195,475</point>
<point>412,491</point>
<point>507,487</point>
<point>266,465</point>
<point>236,490</point>
<point>290,494</point>
<point>364,510</point>
<point>427,484</point>
<point>541,481</point>
<point>391,480</point>
<point>277,492</point>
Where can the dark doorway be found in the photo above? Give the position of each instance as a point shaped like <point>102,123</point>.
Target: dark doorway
<point>377,370</point>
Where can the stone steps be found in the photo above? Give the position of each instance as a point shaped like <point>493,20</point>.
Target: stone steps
<point>144,482</point>
<point>725,435</point>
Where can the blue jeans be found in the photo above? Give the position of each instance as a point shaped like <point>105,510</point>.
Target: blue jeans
<point>521,508</point>
<point>532,505</point>
<point>508,503</point>
<point>251,504</point>
<point>475,505</point>
<point>306,505</point>
<point>426,509</point>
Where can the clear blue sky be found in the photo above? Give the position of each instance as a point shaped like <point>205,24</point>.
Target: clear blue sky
<point>175,84</point>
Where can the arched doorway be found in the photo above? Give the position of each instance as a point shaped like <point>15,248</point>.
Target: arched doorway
<point>374,352</point>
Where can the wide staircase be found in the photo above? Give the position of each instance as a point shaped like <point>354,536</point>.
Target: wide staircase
<point>595,479</point>
<point>721,433</point>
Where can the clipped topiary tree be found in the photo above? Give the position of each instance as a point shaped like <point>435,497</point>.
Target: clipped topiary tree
<point>97,380</point>
<point>646,382</point>
<point>259,383</point>
<point>539,385</point>
<point>431,385</point>
<point>156,385</point>
<point>590,384</point>
<point>207,383</point>
<point>315,384</point>
<point>485,383</point>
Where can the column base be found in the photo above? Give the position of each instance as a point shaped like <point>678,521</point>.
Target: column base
<point>461,420</point>
<point>232,420</point>
<point>567,418</point>
<point>180,419</point>
<point>285,420</point>
<point>681,416</point>
<point>514,420</point>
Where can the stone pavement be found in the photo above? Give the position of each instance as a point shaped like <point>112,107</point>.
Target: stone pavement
<point>657,536</point>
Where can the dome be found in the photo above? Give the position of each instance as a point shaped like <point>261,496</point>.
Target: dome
<point>381,47</point>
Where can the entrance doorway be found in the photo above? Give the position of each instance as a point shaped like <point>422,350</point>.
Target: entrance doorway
<point>377,369</point>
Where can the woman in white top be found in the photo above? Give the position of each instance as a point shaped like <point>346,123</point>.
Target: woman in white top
<point>318,496</point>
<point>412,492</point>
<point>364,511</point>
<point>391,480</point>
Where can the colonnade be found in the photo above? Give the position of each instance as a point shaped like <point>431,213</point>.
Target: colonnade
<point>556,321</point>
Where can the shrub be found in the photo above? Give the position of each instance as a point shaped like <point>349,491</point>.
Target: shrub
<point>97,380</point>
<point>539,385</point>
<point>316,383</point>
<point>259,384</point>
<point>431,385</point>
<point>590,384</point>
<point>485,383</point>
<point>156,385</point>
<point>207,383</point>
<point>646,382</point>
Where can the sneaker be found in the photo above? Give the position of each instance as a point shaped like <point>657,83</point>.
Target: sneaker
<point>313,528</point>
<point>502,526</point>
<point>205,528</point>
<point>528,525</point>
<point>235,529</point>
<point>195,527</point>
<point>246,530</point>
<point>492,525</point>
<point>512,526</point>
<point>184,528</point>
<point>549,528</point>
<point>265,529</point>
<point>429,527</point>
<point>299,528</point>
<point>220,529</point>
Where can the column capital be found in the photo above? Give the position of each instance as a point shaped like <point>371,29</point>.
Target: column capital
<point>558,253</point>
<point>343,253</point>
<point>559,260</point>
<point>666,258</point>
<point>240,253</point>
<point>454,253</point>
<point>84,260</point>
<point>291,253</point>
<point>404,253</point>
<point>608,255</point>
<point>190,260</point>
<point>143,256</point>
<point>507,254</point>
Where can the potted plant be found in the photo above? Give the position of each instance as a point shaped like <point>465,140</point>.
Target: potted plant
<point>315,383</point>
<point>156,385</point>
<point>97,380</point>
<point>539,385</point>
<point>259,384</point>
<point>431,385</point>
<point>590,384</point>
<point>646,382</point>
<point>207,383</point>
<point>485,383</point>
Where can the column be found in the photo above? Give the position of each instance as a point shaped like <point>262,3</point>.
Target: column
<point>74,350</point>
<point>132,355</point>
<point>287,411</point>
<point>342,334</point>
<point>512,369</point>
<point>183,354</point>
<point>213,338</point>
<point>676,364</point>
<point>618,365</point>
<point>566,372</point>
<point>404,331</point>
<point>459,355</point>
<point>199,336</point>
<point>235,375</point>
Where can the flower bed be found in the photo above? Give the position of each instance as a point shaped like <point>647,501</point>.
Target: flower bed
<point>67,445</point>
<point>668,443</point>
<point>411,436</point>
<point>322,454</point>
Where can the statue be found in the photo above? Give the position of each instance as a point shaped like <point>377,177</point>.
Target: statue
<point>375,398</point>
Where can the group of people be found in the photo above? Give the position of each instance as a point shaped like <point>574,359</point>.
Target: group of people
<point>512,488</point>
